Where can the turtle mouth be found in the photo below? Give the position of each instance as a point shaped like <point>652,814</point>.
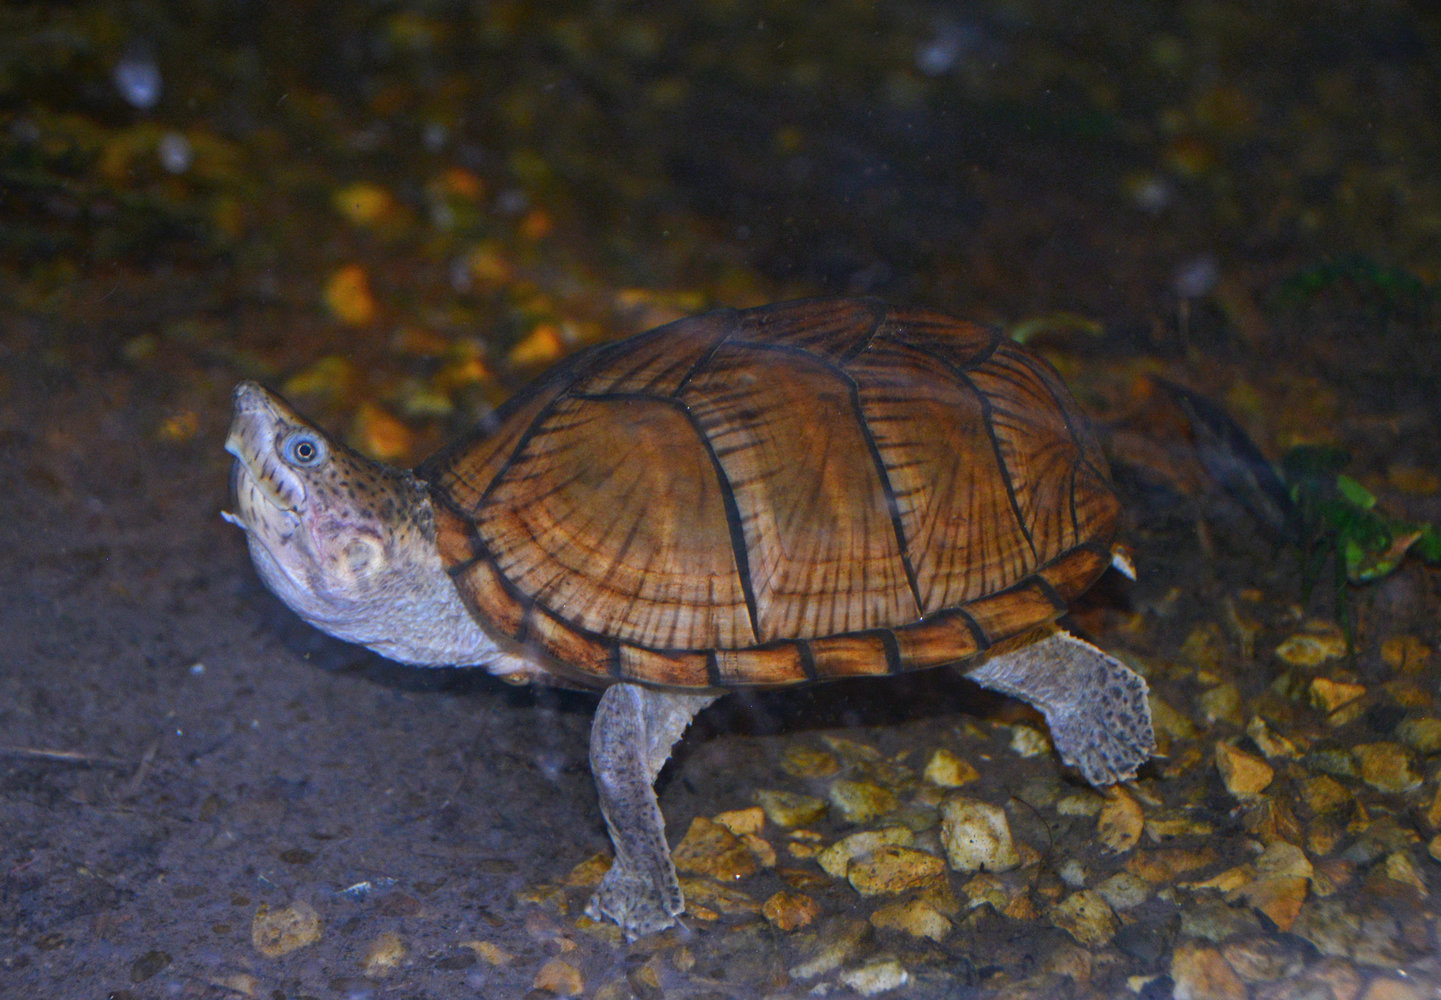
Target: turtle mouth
<point>263,489</point>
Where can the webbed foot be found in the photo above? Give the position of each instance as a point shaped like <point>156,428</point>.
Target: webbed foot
<point>636,903</point>
<point>1095,705</point>
<point>630,741</point>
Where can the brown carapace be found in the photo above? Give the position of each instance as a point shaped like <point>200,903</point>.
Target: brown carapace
<point>750,498</point>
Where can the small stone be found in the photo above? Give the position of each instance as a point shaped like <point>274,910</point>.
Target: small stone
<point>490,953</point>
<point>1401,867</point>
<point>852,752</point>
<point>948,770</point>
<point>148,965</point>
<point>1163,827</point>
<point>942,896</point>
<point>645,978</point>
<point>589,872</point>
<point>917,917</point>
<point>717,897</point>
<point>1222,704</point>
<point>242,984</point>
<point>347,295</point>
<point>1005,897</point>
<point>804,844</point>
<point>1433,848</point>
<point>760,849</point>
<point>1069,962</point>
<point>1228,881</point>
<point>804,879</point>
<point>1169,863</point>
<point>1269,742</point>
<point>892,869</point>
<point>1121,823</point>
<point>1421,734</point>
<point>837,942</point>
<point>1087,917</point>
<point>801,761</point>
<point>559,977</point>
<point>788,911</point>
<point>1200,973</point>
<point>1405,654</point>
<point>1322,794</point>
<point>742,821</point>
<point>279,932</point>
<point>878,977</point>
<point>1339,700</point>
<point>1170,722</point>
<point>1028,741</point>
<point>710,849</point>
<point>1245,776</point>
<point>1080,804</point>
<point>861,801</point>
<point>543,345</point>
<point>1261,960</point>
<point>789,809</point>
<point>836,859</point>
<point>1334,761</point>
<point>617,989</point>
<point>1330,926</point>
<point>1386,767</point>
<point>363,204</point>
<point>1213,920</point>
<point>1320,642</point>
<point>1328,979</point>
<point>1205,647</point>
<point>1393,989</point>
<point>977,836</point>
<point>1279,897</point>
<point>1124,891</point>
<point>385,953</point>
<point>1073,873</point>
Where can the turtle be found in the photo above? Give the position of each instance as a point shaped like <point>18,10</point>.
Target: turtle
<point>819,489</point>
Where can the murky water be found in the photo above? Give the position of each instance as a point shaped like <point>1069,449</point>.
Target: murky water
<point>398,215</point>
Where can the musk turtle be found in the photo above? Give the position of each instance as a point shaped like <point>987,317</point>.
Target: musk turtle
<point>753,498</point>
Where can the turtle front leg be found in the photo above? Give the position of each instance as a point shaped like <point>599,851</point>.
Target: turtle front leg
<point>1095,705</point>
<point>630,741</point>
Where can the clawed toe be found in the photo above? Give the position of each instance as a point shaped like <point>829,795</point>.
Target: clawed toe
<point>633,904</point>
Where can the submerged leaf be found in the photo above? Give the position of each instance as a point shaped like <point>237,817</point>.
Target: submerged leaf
<point>1230,458</point>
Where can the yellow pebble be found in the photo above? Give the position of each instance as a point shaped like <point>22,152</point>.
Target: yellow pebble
<point>742,821</point>
<point>363,204</point>
<point>348,296</point>
<point>948,770</point>
<point>1245,776</point>
<point>559,977</point>
<point>279,932</point>
<point>542,346</point>
<point>384,954</point>
<point>1332,696</point>
<point>788,911</point>
<point>381,435</point>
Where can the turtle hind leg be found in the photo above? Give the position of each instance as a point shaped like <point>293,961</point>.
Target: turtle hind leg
<point>630,741</point>
<point>1094,704</point>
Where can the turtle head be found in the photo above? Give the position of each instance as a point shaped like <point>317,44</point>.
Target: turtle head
<point>341,539</point>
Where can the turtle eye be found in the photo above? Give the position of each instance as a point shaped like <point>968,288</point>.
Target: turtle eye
<point>303,450</point>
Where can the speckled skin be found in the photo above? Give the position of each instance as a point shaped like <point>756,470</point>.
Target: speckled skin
<point>376,556</point>
<point>348,543</point>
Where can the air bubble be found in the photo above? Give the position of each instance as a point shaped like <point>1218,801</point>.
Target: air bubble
<point>1197,276</point>
<point>175,152</point>
<point>137,77</point>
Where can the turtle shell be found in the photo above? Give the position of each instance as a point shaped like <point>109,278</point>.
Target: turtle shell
<point>810,490</point>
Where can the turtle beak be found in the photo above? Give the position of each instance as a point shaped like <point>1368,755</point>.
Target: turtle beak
<point>259,479</point>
